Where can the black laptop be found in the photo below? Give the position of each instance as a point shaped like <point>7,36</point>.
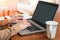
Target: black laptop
<point>44,12</point>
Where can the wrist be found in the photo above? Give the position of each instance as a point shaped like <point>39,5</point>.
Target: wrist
<point>16,27</point>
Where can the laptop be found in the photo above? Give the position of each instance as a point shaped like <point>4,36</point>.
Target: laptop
<point>44,12</point>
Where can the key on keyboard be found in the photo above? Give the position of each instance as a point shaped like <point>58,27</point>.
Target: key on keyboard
<point>33,28</point>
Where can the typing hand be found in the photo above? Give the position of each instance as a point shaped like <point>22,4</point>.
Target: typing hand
<point>22,24</point>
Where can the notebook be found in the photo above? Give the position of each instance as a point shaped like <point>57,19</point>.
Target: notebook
<point>44,12</point>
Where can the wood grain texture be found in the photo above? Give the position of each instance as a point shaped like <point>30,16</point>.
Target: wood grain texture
<point>39,36</point>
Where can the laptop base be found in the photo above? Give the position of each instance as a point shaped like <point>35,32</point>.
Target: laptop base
<point>26,32</point>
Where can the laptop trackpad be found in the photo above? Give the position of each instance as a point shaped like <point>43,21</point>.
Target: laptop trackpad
<point>33,28</point>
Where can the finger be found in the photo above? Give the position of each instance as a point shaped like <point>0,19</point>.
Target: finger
<point>24,20</point>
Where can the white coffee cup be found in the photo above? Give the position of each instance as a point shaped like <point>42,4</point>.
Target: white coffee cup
<point>51,27</point>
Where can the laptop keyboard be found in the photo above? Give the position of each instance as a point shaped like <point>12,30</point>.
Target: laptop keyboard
<point>33,28</point>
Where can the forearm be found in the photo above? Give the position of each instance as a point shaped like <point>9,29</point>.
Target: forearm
<point>15,29</point>
<point>7,33</point>
<point>4,34</point>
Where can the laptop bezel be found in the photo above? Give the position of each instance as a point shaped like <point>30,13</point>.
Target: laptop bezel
<point>41,24</point>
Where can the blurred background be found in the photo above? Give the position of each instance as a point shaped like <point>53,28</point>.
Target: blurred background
<point>24,6</point>
<point>30,5</point>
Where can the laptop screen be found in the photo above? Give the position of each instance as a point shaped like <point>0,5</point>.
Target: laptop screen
<point>44,12</point>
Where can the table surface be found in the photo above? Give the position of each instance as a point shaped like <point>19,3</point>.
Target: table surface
<point>39,36</point>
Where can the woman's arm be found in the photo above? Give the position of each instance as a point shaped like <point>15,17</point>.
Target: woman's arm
<point>7,33</point>
<point>4,34</point>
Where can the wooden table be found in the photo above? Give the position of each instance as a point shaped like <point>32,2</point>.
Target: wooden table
<point>39,36</point>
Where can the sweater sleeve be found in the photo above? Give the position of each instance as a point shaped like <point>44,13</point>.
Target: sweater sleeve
<point>7,33</point>
<point>4,34</point>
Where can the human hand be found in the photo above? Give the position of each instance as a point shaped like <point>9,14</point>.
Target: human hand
<point>4,22</point>
<point>22,24</point>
